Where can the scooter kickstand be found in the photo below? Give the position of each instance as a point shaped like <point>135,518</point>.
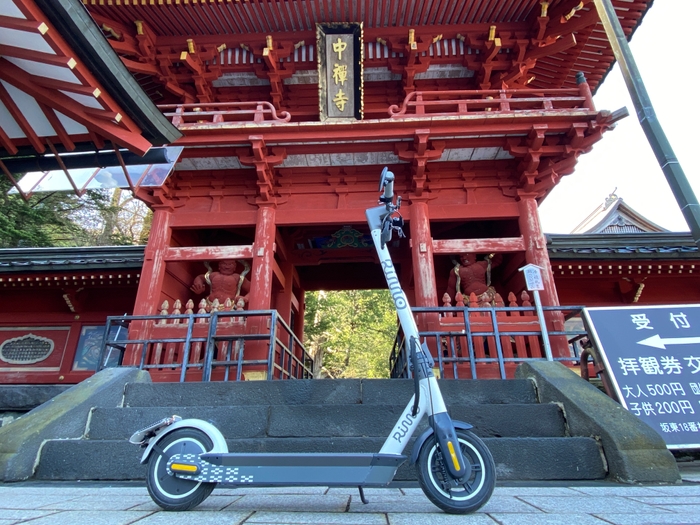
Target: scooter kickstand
<point>362,495</point>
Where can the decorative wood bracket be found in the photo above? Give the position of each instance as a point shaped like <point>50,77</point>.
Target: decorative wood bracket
<point>188,74</point>
<point>412,62</point>
<point>263,162</point>
<point>272,54</point>
<point>419,155</point>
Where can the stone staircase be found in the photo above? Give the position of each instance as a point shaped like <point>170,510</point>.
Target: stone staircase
<point>529,440</point>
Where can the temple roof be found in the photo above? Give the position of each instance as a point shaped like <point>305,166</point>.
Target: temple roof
<point>32,260</point>
<point>548,43</point>
<point>616,216</point>
<point>628,246</point>
<point>63,87</point>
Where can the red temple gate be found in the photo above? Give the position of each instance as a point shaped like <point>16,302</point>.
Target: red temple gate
<point>478,111</point>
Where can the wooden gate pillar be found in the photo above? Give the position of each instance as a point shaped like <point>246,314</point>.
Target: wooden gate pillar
<point>536,253</point>
<point>422,255</point>
<point>152,276</point>
<point>261,289</point>
<point>423,266</point>
<point>263,259</point>
<point>536,245</point>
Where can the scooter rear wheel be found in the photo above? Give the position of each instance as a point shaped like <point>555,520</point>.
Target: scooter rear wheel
<point>168,491</point>
<point>452,496</point>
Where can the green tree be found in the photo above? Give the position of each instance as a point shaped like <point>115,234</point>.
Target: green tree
<point>354,332</point>
<point>45,220</point>
<point>99,218</point>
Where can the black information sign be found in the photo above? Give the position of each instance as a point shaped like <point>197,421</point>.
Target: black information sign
<point>653,356</point>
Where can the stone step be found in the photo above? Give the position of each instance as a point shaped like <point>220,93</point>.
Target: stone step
<point>257,421</point>
<point>323,392</point>
<point>570,458</point>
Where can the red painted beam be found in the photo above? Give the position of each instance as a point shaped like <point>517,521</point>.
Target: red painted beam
<point>18,115</point>
<point>7,142</point>
<point>37,56</point>
<point>382,130</point>
<point>22,80</point>
<point>31,26</point>
<point>497,245</point>
<point>208,253</point>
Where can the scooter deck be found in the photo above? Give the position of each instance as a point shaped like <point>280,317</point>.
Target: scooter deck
<point>289,469</point>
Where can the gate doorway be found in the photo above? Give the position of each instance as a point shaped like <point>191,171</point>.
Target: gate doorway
<point>350,333</point>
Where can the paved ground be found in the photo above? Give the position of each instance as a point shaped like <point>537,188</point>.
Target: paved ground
<point>512,504</point>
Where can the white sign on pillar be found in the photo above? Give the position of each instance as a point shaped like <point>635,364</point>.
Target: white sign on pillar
<point>533,277</point>
<point>534,283</point>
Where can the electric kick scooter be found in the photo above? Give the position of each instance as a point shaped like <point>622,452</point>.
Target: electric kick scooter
<point>188,458</point>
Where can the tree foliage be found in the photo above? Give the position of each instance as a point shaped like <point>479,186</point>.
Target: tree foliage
<point>99,218</point>
<point>354,331</point>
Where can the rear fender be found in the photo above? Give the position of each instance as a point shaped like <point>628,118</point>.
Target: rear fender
<point>420,441</point>
<point>210,430</point>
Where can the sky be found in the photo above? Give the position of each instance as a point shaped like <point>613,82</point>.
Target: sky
<point>665,50</point>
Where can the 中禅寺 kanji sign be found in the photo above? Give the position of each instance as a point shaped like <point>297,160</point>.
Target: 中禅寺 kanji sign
<point>340,70</point>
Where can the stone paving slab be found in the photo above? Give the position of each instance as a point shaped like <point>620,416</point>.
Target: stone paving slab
<point>108,517</point>
<point>21,515</point>
<point>590,504</point>
<point>535,491</point>
<point>668,500</point>
<point>547,519</point>
<point>212,504</point>
<point>99,502</point>
<point>29,501</point>
<point>679,490</point>
<point>440,519</point>
<point>509,504</point>
<point>684,509</point>
<point>198,518</point>
<point>545,504</point>
<point>620,490</point>
<point>650,519</point>
<point>329,518</point>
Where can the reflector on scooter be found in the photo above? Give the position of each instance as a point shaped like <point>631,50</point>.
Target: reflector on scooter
<point>181,467</point>
<point>455,460</point>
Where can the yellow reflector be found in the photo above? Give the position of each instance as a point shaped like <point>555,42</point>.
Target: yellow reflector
<point>453,456</point>
<point>181,467</point>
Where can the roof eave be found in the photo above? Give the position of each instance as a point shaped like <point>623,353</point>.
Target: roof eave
<point>81,32</point>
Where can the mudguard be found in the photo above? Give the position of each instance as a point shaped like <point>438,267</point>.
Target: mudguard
<point>210,430</point>
<point>459,425</point>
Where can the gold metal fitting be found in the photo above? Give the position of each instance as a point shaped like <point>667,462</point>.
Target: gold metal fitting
<point>492,33</point>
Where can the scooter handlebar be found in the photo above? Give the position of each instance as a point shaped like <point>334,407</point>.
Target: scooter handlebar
<point>386,183</point>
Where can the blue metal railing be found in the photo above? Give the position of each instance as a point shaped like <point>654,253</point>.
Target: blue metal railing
<point>446,343</point>
<point>227,335</point>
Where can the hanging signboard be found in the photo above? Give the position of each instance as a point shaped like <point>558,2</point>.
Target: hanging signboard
<point>340,70</point>
<point>652,354</point>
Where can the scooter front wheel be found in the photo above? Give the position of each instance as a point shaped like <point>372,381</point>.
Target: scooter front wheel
<point>453,496</point>
<point>168,491</point>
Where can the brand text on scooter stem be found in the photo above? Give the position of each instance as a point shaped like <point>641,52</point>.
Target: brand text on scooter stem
<point>394,287</point>
<point>405,424</point>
